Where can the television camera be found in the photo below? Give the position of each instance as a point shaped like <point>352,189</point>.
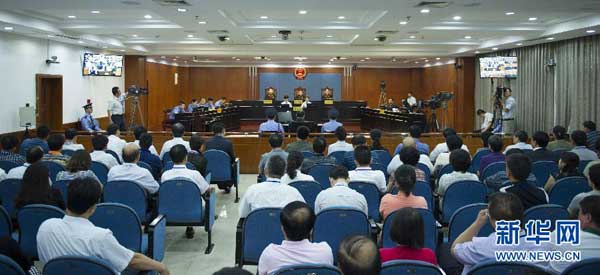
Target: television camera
<point>439,100</point>
<point>134,93</point>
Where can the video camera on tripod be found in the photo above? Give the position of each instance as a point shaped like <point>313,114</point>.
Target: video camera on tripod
<point>135,91</point>
<point>436,100</point>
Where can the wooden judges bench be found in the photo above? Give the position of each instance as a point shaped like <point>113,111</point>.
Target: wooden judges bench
<point>317,111</point>
<point>250,146</point>
<point>390,121</point>
<point>202,121</point>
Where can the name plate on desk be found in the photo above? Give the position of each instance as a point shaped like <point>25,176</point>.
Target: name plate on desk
<point>328,102</point>
<point>382,111</point>
<point>297,109</point>
<point>267,102</point>
<point>297,102</point>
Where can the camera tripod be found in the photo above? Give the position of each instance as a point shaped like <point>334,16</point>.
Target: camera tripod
<point>135,109</point>
<point>433,124</point>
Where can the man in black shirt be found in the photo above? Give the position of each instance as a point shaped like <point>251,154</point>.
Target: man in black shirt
<point>540,153</point>
<point>195,156</point>
<point>218,142</point>
<point>518,168</point>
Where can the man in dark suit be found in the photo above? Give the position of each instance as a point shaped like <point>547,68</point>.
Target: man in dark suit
<point>540,140</point>
<point>195,156</point>
<point>218,142</point>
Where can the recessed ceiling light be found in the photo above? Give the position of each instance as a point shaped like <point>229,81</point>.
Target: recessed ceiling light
<point>425,11</point>
<point>394,59</point>
<point>437,58</point>
<point>237,59</point>
<point>550,38</point>
<point>367,58</point>
<point>181,10</point>
<point>426,60</point>
<point>532,18</point>
<point>71,16</point>
<point>95,12</point>
<point>8,28</point>
<point>476,51</point>
<point>457,18</point>
<point>341,17</point>
<point>343,58</point>
<point>509,13</point>
<point>190,36</point>
<point>148,16</point>
<point>329,36</point>
<point>375,39</point>
<point>362,60</point>
<point>121,50</point>
<point>467,37</point>
<point>416,62</point>
<point>135,35</point>
<point>412,37</point>
<point>264,17</point>
<point>519,44</point>
<point>80,42</point>
<point>590,31</point>
<point>174,59</point>
<point>302,12</point>
<point>494,49</point>
<point>202,22</point>
<point>273,36</point>
<point>403,22</point>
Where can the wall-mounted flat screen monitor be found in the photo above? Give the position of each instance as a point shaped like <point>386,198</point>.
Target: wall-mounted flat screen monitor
<point>102,65</point>
<point>498,67</point>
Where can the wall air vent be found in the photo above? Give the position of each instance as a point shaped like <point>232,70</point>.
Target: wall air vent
<point>172,3</point>
<point>433,4</point>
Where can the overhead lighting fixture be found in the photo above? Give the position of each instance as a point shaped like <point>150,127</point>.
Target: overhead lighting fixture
<point>121,50</point>
<point>532,18</point>
<point>437,58</point>
<point>343,58</point>
<point>476,51</point>
<point>367,58</point>
<point>375,39</point>
<point>95,12</point>
<point>590,31</point>
<point>510,13</point>
<point>329,36</point>
<point>341,17</point>
<point>412,37</point>
<point>237,59</point>
<point>416,62</point>
<point>456,18</point>
<point>302,12</point>
<point>494,49</point>
<point>550,38</point>
<point>273,36</point>
<point>394,60</point>
<point>403,22</point>
<point>71,16</point>
<point>426,60</point>
<point>190,36</point>
<point>362,60</point>
<point>8,28</point>
<point>264,17</point>
<point>425,11</point>
<point>148,16</point>
<point>80,42</point>
<point>467,37</point>
<point>135,35</point>
<point>519,44</point>
<point>174,59</point>
<point>181,10</point>
<point>202,22</point>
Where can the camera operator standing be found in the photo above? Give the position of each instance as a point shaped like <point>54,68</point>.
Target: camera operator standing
<point>116,108</point>
<point>508,112</point>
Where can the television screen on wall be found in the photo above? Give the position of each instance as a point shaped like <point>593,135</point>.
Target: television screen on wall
<point>102,65</point>
<point>498,67</point>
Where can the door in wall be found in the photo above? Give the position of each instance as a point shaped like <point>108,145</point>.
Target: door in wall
<point>49,95</point>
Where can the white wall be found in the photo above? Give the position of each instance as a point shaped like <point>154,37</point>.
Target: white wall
<point>22,57</point>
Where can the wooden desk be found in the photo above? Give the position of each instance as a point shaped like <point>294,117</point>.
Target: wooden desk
<point>390,121</point>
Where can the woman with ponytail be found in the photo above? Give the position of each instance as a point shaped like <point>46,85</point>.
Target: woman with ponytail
<point>376,138</point>
<point>294,161</point>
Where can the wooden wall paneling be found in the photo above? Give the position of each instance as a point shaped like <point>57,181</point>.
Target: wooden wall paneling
<point>233,83</point>
<point>135,74</point>
<point>398,83</point>
<point>437,79</point>
<point>465,95</point>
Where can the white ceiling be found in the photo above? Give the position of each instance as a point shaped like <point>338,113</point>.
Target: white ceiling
<point>345,28</point>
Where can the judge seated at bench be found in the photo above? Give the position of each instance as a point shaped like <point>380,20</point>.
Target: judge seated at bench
<point>270,125</point>
<point>390,106</point>
<point>332,124</point>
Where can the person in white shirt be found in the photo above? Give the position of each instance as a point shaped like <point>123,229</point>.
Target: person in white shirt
<point>340,195</point>
<point>460,161</point>
<point>270,193</point>
<point>130,171</point>
<point>443,147</point>
<point>75,235</point>
<point>508,112</point>
<point>488,119</point>
<point>116,108</point>
<point>340,144</point>
<point>305,103</point>
<point>286,101</point>
<point>34,154</point>
<point>100,142</point>
<point>520,141</point>
<point>71,141</point>
<point>177,130</point>
<point>293,174</point>
<point>115,143</point>
<point>137,132</point>
<point>397,162</point>
<point>297,221</point>
<point>453,142</point>
<point>363,171</point>
<point>411,100</point>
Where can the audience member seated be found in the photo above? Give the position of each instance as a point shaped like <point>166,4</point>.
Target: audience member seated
<point>589,127</point>
<point>580,141</point>
<point>567,167</point>
<point>484,138</point>
<point>297,221</point>
<point>519,141</point>
<point>339,194</point>
<point>195,155</point>
<point>518,168</point>
<point>300,145</point>
<point>137,133</point>
<point>34,154</point>
<point>561,140</point>
<point>271,125</point>
<point>376,138</point>
<point>145,143</point>
<point>75,235</point>
<point>460,160</point>
<point>270,193</point>
<point>358,255</point>
<point>55,143</point>
<point>357,140</point>
<point>293,173</point>
<point>443,147</point>
<point>405,179</point>
<point>100,145</point>
<point>276,142</point>
<point>332,124</point>
<point>78,166</point>
<point>589,239</point>
<point>469,250</point>
<point>594,182</point>
<point>319,145</point>
<point>409,156</point>
<point>36,188</point>
<point>364,172</point>
<point>177,129</point>
<point>9,147</point>
<point>87,121</point>
<point>453,142</point>
<point>408,231</point>
<point>2,175</point>
<point>415,134</point>
<point>495,143</point>
<point>340,144</point>
<point>540,140</point>
<point>232,271</point>
<point>115,143</point>
<point>130,171</point>
<point>42,133</point>
<point>218,142</point>
<point>10,248</point>
<point>396,162</point>
<point>71,140</point>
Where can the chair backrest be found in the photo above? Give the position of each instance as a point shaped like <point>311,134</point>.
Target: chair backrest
<point>308,269</point>
<point>333,225</point>
<point>446,169</point>
<point>502,268</point>
<point>62,186</point>
<point>585,267</point>
<point>30,218</point>
<point>261,228</point>
<point>338,156</point>
<point>425,170</point>
<point>6,165</point>
<point>78,265</point>
<point>309,190</point>
<point>145,166</point>
<point>477,160</point>
<point>100,170</point>
<point>115,155</point>
<point>320,173</point>
<point>54,168</point>
<point>462,193</point>
<point>463,218</point>
<point>542,171</point>
<point>382,156</point>
<point>180,201</point>
<point>372,195</point>
<point>551,212</point>
<point>582,165</point>
<point>308,154</point>
<point>67,152</point>
<point>9,189</point>
<point>492,169</point>
<point>429,221</point>
<point>9,267</point>
<point>379,166</point>
<point>5,223</point>
<point>122,221</point>
<point>565,189</point>
<point>128,193</point>
<point>166,157</point>
<point>409,267</point>
<point>218,165</point>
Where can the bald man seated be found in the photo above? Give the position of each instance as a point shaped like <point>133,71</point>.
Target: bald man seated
<point>130,171</point>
